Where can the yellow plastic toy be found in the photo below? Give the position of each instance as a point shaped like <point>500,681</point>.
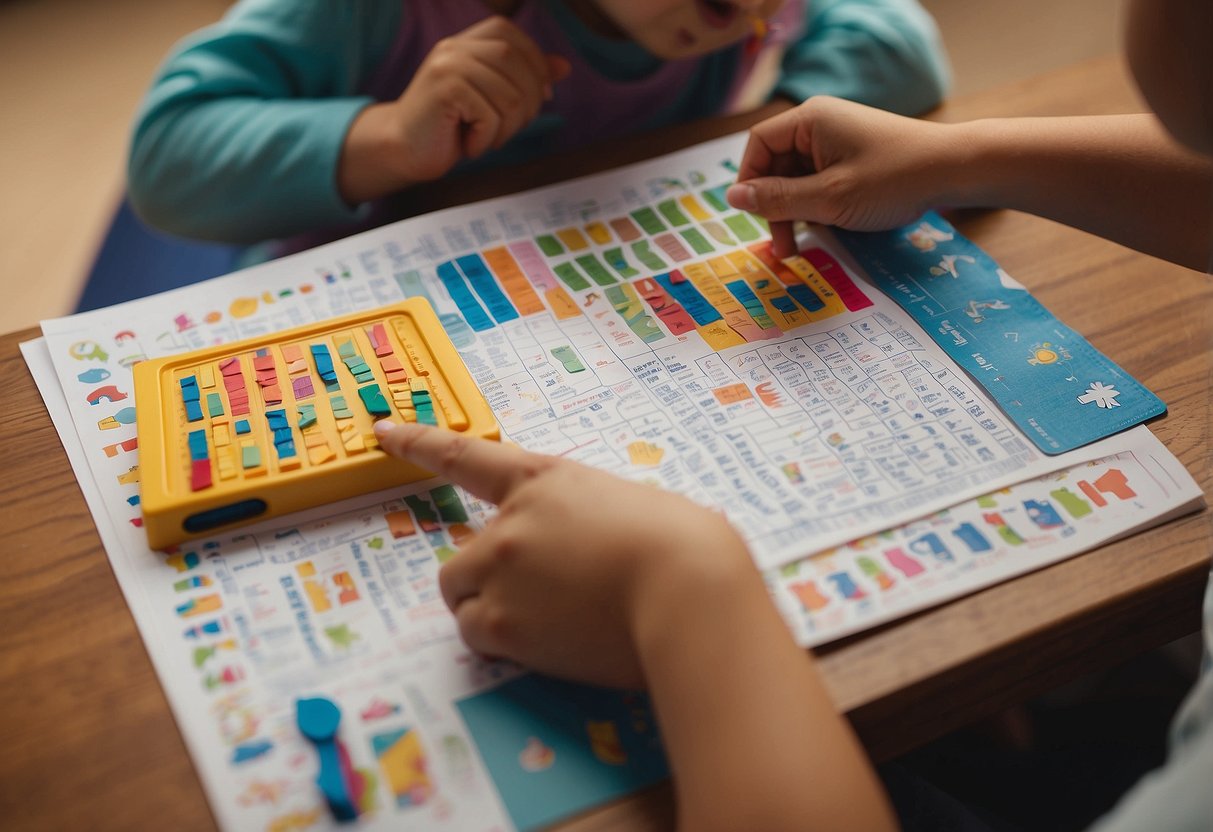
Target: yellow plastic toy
<point>271,425</point>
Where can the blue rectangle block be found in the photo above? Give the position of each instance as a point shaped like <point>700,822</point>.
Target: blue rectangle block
<point>242,426</point>
<point>324,361</point>
<point>458,289</point>
<point>806,297</point>
<point>694,303</point>
<point>197,444</point>
<point>742,291</point>
<point>783,303</point>
<point>193,411</point>
<point>189,389</point>
<point>485,285</point>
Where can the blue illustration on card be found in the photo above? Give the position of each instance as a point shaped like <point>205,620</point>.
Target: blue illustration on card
<point>555,748</point>
<point>1061,391</point>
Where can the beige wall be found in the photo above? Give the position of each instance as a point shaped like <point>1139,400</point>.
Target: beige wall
<point>72,71</point>
<point>993,42</point>
<point>71,74</point>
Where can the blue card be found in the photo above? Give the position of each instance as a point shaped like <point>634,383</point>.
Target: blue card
<point>1062,392</point>
<point>554,748</point>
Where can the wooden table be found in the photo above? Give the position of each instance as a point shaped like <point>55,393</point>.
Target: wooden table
<point>86,734</point>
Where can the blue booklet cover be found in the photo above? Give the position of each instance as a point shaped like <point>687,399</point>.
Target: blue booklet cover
<point>555,748</point>
<point>1061,391</point>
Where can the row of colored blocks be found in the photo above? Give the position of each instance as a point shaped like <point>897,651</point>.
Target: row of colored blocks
<point>677,212</point>
<point>200,459</point>
<point>414,401</point>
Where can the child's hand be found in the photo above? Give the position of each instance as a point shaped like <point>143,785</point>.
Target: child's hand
<point>577,561</point>
<point>840,163</point>
<point>473,92</point>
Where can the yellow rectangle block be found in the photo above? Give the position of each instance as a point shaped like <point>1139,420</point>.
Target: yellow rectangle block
<point>694,208</point>
<point>573,239</point>
<point>598,233</point>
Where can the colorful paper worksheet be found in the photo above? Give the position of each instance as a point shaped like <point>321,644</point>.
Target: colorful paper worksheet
<point>630,321</point>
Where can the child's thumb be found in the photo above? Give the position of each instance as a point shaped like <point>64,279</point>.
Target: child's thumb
<point>779,197</point>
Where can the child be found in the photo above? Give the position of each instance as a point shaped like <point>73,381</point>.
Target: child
<point>299,118</point>
<point>670,598</point>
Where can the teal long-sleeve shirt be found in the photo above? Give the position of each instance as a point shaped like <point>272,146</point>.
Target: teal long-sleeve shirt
<point>238,139</point>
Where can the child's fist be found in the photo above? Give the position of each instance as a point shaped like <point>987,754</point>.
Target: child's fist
<point>473,92</point>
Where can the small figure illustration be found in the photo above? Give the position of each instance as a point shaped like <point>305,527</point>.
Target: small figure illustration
<point>977,307</point>
<point>947,264</point>
<point>1047,353</point>
<point>925,237</point>
<point>1103,395</point>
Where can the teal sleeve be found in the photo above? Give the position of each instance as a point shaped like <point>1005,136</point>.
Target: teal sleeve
<point>239,138</point>
<point>885,53</point>
<point>1179,796</point>
<point>1176,798</point>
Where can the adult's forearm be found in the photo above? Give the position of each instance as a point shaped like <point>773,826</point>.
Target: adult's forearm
<point>753,739</point>
<point>1121,177</point>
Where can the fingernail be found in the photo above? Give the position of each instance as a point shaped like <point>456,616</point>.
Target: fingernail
<point>741,196</point>
<point>383,427</point>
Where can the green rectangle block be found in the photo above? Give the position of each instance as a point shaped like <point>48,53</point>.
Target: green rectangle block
<point>648,220</point>
<point>697,241</point>
<point>373,401</point>
<point>673,214</point>
<point>214,405</point>
<point>250,456</point>
<point>647,256</point>
<point>549,245</point>
<point>450,508</point>
<point>596,270</point>
<point>742,227</point>
<point>715,197</point>
<point>616,260</point>
<point>568,273</point>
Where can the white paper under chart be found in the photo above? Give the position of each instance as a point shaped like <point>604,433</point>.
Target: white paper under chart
<point>809,423</point>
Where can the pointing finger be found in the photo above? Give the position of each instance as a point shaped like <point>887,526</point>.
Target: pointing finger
<point>489,470</point>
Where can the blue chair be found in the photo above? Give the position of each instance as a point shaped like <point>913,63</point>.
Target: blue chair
<point>135,261</point>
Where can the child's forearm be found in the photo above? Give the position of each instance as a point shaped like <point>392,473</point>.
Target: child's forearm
<point>373,164</point>
<point>1121,177</point>
<point>753,738</point>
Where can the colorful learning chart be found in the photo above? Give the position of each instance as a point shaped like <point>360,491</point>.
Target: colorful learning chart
<point>288,421</point>
<point>981,542</point>
<point>1061,391</point>
<point>630,321</point>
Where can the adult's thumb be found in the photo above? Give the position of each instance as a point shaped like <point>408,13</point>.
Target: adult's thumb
<point>780,197</point>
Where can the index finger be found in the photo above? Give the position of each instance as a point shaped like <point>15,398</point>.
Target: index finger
<point>789,132</point>
<point>487,469</point>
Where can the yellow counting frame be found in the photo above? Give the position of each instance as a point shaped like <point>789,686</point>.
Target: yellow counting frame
<point>271,425</point>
